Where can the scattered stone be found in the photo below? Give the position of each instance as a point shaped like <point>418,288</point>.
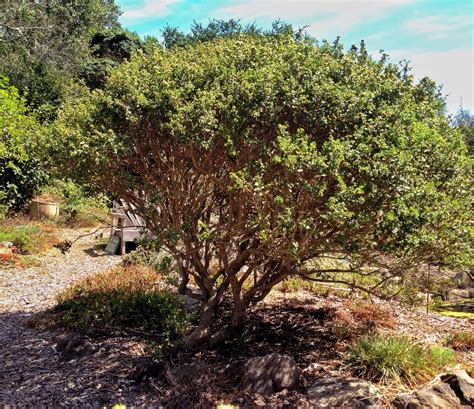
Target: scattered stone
<point>75,346</point>
<point>343,392</point>
<point>455,390</point>
<point>270,373</point>
<point>147,369</point>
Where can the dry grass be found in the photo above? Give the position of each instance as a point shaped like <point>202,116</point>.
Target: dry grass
<point>30,237</point>
<point>353,320</point>
<point>460,341</point>
<point>130,278</point>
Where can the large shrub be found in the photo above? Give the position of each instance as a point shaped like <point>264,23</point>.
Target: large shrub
<point>256,158</point>
<point>21,169</point>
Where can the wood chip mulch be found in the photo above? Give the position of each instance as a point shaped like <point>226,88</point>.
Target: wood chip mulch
<point>32,373</point>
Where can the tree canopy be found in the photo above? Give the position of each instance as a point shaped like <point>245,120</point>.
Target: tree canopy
<point>254,158</point>
<point>44,43</point>
<point>21,170</point>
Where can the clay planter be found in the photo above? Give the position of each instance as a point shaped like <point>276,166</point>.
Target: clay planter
<point>41,209</point>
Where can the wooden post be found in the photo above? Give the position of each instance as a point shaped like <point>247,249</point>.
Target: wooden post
<point>428,290</point>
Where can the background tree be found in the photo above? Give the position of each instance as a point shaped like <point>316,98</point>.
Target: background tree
<point>173,37</point>
<point>43,44</point>
<point>464,121</point>
<point>108,49</point>
<point>21,169</point>
<point>254,158</point>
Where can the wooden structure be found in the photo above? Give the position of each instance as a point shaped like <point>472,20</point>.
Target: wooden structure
<point>125,224</point>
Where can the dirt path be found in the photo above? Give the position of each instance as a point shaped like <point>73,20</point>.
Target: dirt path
<point>31,373</point>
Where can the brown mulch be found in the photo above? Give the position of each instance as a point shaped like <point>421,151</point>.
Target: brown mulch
<point>299,324</point>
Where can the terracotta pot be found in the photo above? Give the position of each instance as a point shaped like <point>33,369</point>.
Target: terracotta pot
<point>41,209</point>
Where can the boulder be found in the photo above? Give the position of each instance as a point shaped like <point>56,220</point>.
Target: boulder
<point>343,392</point>
<point>455,390</point>
<point>458,293</point>
<point>270,373</point>
<point>464,279</point>
<point>462,384</point>
<point>438,396</point>
<point>75,346</point>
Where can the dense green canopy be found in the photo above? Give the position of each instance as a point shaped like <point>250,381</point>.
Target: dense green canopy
<point>21,171</point>
<point>268,154</point>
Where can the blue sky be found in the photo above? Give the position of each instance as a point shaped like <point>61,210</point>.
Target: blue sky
<point>435,35</point>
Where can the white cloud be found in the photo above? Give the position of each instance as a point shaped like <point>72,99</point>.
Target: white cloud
<point>334,12</point>
<point>452,68</point>
<point>439,26</point>
<point>151,8</point>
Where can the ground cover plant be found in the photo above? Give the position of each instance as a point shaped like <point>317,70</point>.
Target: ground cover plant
<point>29,238</point>
<point>121,298</point>
<point>255,158</point>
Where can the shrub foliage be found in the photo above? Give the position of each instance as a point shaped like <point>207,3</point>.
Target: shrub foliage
<point>254,158</point>
<point>21,170</point>
<point>122,298</point>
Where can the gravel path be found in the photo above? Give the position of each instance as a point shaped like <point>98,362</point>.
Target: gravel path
<point>35,288</point>
<point>31,372</point>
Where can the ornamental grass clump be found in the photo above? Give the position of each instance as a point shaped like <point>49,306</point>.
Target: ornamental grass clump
<point>389,359</point>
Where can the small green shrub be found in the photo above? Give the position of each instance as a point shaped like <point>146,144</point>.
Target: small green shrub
<point>122,298</point>
<point>149,254</point>
<point>28,238</point>
<point>77,207</point>
<point>389,359</point>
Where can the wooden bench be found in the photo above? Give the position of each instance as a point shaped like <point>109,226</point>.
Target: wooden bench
<point>125,224</point>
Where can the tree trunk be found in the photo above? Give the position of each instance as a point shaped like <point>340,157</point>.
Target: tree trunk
<point>202,336</point>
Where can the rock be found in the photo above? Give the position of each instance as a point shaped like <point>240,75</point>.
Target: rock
<point>462,384</point>
<point>269,374</point>
<point>75,346</point>
<point>457,294</point>
<point>344,392</point>
<point>148,369</point>
<point>187,373</point>
<point>464,279</point>
<point>438,396</point>
<point>455,390</point>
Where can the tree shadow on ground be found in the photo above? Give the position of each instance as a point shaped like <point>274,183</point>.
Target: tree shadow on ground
<point>34,373</point>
